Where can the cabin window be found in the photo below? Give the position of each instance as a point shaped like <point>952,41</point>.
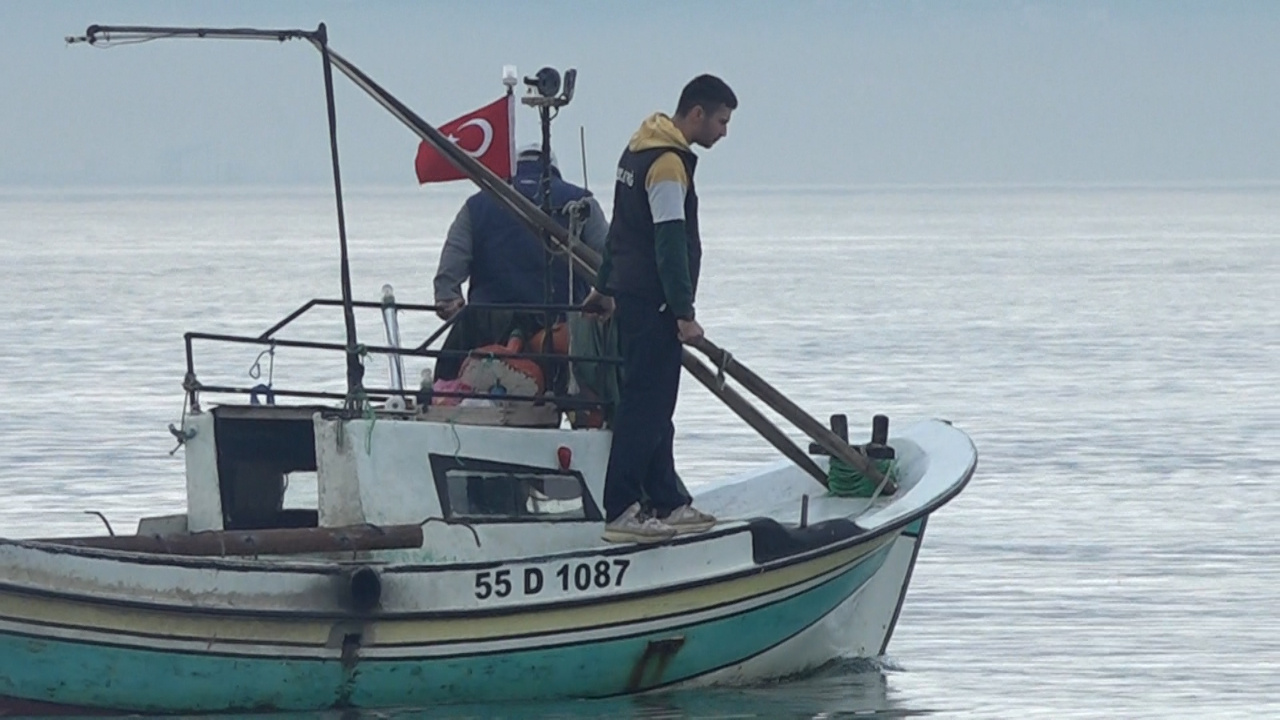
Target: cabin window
<point>481,490</point>
<point>266,467</point>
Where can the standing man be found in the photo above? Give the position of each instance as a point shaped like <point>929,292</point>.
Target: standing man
<point>649,276</point>
<point>506,263</point>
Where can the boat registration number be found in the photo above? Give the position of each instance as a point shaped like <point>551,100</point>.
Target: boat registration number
<point>570,577</point>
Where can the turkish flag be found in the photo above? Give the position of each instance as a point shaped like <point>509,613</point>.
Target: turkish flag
<point>486,135</point>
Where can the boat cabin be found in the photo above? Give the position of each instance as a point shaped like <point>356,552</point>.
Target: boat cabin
<point>399,457</point>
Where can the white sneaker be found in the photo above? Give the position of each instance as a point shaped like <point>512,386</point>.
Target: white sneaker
<point>629,527</point>
<point>686,519</point>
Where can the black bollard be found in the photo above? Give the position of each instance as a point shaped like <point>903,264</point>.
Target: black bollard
<point>878,447</point>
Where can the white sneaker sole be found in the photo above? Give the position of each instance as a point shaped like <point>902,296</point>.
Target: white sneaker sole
<point>692,528</point>
<point>622,536</point>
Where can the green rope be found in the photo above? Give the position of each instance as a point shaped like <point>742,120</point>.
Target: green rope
<point>843,480</point>
<point>367,413</point>
<point>359,399</point>
<point>457,443</point>
<point>372,418</point>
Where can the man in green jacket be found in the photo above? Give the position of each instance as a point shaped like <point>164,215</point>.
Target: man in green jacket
<point>649,279</point>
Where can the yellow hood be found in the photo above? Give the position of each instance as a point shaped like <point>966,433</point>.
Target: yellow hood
<point>657,131</point>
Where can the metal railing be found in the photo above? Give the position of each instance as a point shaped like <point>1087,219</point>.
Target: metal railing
<point>269,338</point>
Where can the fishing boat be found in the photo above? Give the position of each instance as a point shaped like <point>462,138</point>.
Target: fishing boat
<point>455,550</point>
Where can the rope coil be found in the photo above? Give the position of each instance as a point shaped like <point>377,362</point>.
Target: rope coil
<point>844,480</point>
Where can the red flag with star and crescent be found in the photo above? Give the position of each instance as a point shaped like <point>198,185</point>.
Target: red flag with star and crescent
<point>487,134</point>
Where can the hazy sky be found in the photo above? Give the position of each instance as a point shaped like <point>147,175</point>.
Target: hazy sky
<point>1154,91</point>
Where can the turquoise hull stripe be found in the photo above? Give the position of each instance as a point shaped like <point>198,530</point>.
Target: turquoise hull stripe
<point>156,681</point>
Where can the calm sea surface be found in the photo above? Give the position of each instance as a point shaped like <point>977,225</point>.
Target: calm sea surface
<point>1114,353</point>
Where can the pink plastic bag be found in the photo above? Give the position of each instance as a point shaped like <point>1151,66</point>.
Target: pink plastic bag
<point>450,386</point>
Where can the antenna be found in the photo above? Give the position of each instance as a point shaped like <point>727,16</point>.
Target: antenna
<point>546,94</point>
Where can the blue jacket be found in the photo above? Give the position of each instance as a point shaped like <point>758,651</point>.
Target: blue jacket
<point>508,262</point>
